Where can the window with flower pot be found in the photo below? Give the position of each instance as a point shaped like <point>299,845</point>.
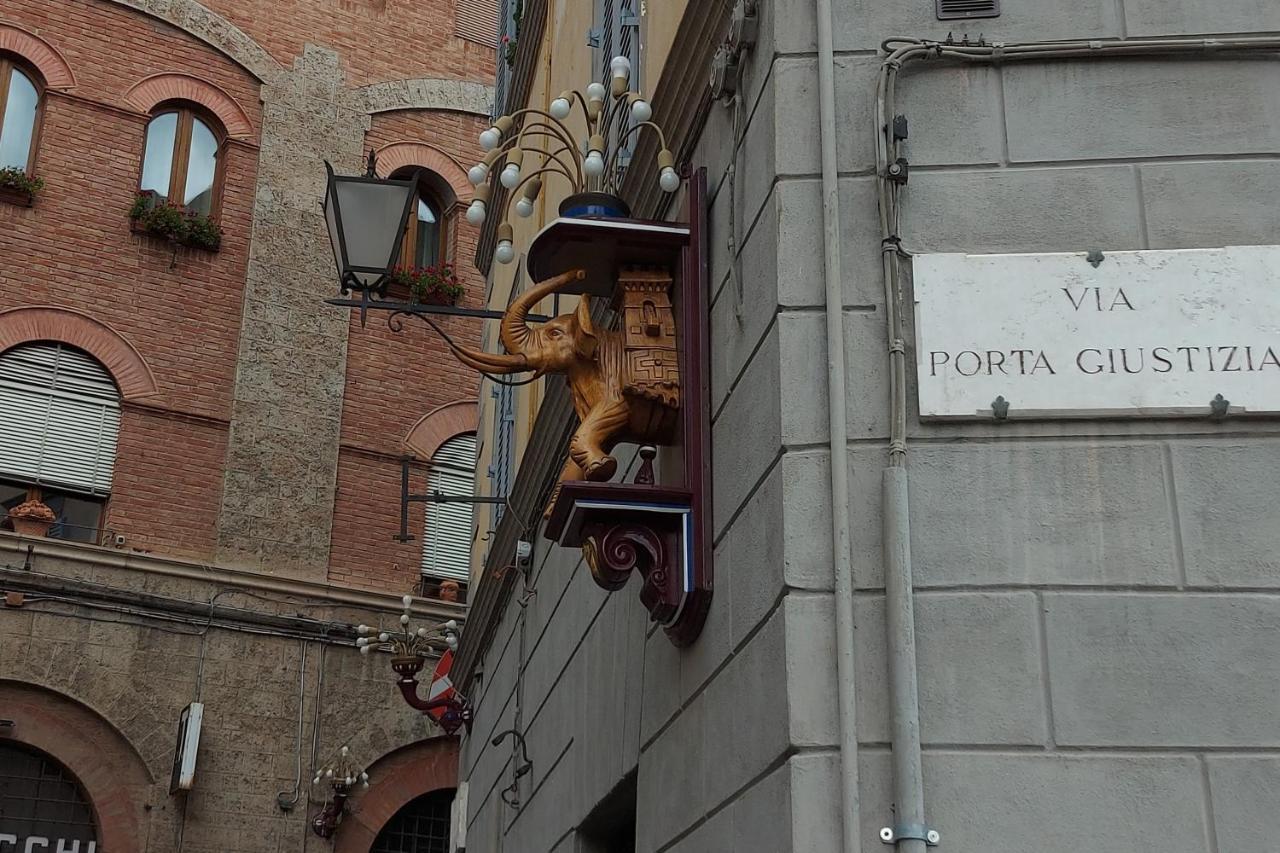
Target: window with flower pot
<point>21,103</point>
<point>182,173</point>
<point>449,527</point>
<point>425,272</point>
<point>59,424</point>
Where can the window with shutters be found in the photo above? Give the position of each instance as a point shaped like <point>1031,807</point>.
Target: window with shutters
<point>502,462</point>
<point>448,529</point>
<point>509,14</point>
<point>617,33</point>
<point>59,423</point>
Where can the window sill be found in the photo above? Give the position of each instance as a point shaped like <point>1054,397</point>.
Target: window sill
<point>20,198</point>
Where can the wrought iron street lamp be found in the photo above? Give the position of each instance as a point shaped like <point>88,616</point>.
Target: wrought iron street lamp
<point>366,217</point>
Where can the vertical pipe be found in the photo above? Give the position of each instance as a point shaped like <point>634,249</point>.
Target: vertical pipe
<point>900,625</point>
<point>839,433</point>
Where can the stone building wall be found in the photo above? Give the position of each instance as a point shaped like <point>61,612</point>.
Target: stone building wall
<point>1095,601</point>
<point>99,686</point>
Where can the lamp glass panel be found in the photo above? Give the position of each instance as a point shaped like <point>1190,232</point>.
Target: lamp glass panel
<point>331,220</point>
<point>373,215</point>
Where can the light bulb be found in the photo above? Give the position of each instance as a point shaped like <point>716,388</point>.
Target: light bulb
<point>641,111</point>
<point>594,164</point>
<point>510,176</point>
<point>404,618</point>
<point>364,777</point>
<point>407,601</point>
<point>475,213</point>
<point>422,632</point>
<point>669,180</point>
<point>364,783</point>
<point>362,642</point>
<point>315,781</point>
<point>620,66</point>
<point>505,253</point>
<point>560,108</point>
<point>595,91</point>
<point>362,629</point>
<point>345,750</point>
<point>490,138</point>
<point>383,637</point>
<point>451,642</point>
<point>451,625</point>
<point>328,773</point>
<point>524,207</point>
<point>478,174</point>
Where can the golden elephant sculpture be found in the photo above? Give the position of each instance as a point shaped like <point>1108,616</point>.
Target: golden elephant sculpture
<point>625,383</point>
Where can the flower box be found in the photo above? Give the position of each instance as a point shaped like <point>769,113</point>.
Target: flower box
<point>429,285</point>
<point>155,217</point>
<point>17,187</point>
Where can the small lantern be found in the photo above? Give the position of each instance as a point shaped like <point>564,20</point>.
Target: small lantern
<point>366,216</point>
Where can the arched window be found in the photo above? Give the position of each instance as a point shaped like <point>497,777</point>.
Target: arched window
<point>20,102</point>
<point>421,826</point>
<point>40,799</point>
<point>447,534</point>
<point>59,423</point>
<point>182,160</point>
<point>425,236</point>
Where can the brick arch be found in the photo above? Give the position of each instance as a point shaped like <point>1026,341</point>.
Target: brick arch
<point>396,779</point>
<point>439,425</point>
<point>64,325</point>
<point>214,30</point>
<point>45,57</point>
<point>397,155</point>
<point>114,777</point>
<point>158,88</point>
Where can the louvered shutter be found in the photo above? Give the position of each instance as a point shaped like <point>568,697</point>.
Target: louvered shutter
<point>477,20</point>
<point>447,533</point>
<point>59,418</point>
<point>504,417</point>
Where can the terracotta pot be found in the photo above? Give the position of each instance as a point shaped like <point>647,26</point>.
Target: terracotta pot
<point>32,518</point>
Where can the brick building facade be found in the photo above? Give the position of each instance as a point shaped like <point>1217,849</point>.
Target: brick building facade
<point>257,456</point>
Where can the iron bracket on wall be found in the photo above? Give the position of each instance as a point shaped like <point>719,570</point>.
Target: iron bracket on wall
<point>435,497</point>
<point>910,832</point>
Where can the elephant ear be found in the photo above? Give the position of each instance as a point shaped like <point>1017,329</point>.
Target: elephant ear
<point>587,340</point>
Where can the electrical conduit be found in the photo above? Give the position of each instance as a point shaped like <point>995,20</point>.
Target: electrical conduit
<point>839,437</point>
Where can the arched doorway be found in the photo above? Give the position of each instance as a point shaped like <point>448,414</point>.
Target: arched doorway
<point>421,826</point>
<point>42,806</point>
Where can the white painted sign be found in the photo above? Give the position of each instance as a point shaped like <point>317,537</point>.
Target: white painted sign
<point>1142,333</point>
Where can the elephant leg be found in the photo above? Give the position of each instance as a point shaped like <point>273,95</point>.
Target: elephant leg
<point>570,472</point>
<point>587,448</point>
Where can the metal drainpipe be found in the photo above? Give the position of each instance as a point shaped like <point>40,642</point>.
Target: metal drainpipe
<point>911,834</point>
<point>839,434</point>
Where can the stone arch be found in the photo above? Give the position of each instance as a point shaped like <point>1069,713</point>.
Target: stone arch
<point>115,779</point>
<point>394,780</point>
<point>428,93</point>
<point>397,155</point>
<point>214,30</point>
<point>52,323</point>
<point>158,88</point>
<point>439,425</point>
<point>51,64</point>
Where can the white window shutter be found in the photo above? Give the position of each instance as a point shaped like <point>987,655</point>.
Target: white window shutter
<point>447,532</point>
<point>59,418</point>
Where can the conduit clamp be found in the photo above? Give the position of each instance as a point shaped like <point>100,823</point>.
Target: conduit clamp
<point>910,832</point>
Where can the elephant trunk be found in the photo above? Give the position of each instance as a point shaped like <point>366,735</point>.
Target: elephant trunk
<point>514,330</point>
<point>487,362</point>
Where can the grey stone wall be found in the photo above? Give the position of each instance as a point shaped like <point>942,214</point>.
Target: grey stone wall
<point>1096,601</point>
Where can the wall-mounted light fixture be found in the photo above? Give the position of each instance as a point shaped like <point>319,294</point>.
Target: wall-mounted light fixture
<point>338,777</point>
<point>410,649</point>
